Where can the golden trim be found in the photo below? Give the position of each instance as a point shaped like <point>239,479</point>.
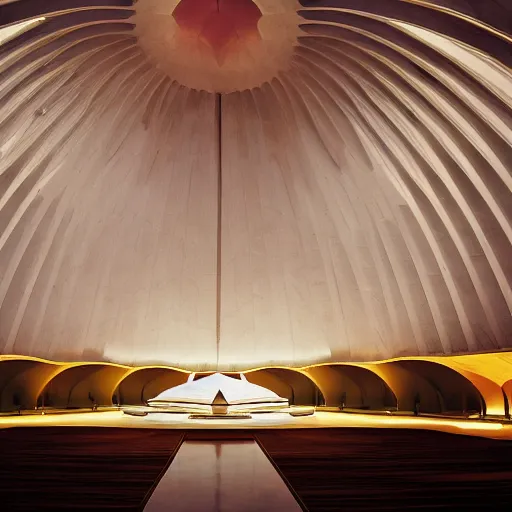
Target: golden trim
<point>421,3</point>
<point>505,354</point>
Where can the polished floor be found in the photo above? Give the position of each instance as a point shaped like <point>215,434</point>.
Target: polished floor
<point>381,470</point>
<point>221,476</point>
<point>330,469</point>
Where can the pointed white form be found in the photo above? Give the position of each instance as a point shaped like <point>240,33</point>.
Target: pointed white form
<point>215,389</point>
<point>10,32</point>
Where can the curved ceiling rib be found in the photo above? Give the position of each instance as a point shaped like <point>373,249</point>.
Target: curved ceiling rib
<point>366,187</point>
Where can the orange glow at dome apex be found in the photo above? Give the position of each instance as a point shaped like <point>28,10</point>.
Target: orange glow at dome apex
<point>218,45</point>
<point>222,25</point>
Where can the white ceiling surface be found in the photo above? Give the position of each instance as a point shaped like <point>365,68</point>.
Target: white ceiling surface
<point>366,211</point>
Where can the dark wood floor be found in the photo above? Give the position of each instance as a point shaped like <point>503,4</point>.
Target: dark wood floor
<point>356,469</point>
<point>331,469</point>
<point>80,468</point>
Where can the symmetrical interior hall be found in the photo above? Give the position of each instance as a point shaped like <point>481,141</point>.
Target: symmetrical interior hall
<point>255,255</point>
<point>315,193</point>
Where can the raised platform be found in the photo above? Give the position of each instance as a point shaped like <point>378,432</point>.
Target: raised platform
<point>491,429</point>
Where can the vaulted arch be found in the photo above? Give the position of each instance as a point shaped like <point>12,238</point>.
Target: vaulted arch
<point>141,384</point>
<point>438,389</point>
<point>352,386</point>
<point>82,385</point>
<point>20,380</point>
<point>295,385</point>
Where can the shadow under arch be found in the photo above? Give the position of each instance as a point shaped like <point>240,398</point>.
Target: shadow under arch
<point>352,386</point>
<point>488,386</point>
<point>141,384</point>
<point>20,381</point>
<point>81,385</point>
<point>295,385</point>
<point>437,388</point>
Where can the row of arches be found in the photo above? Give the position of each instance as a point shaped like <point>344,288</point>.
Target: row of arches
<point>28,383</point>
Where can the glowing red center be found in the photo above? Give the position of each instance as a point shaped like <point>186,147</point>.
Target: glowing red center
<point>221,24</point>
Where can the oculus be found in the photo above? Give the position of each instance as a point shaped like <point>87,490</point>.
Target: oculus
<point>218,45</point>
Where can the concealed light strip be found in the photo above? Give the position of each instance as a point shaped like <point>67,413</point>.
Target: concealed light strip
<point>461,16</point>
<point>421,3</point>
<point>10,32</point>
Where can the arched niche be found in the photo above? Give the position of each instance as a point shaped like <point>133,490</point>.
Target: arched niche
<point>81,386</point>
<point>297,387</point>
<point>486,373</point>
<point>353,386</point>
<point>20,380</point>
<point>439,389</point>
<point>141,384</point>
<point>457,394</point>
<point>490,391</point>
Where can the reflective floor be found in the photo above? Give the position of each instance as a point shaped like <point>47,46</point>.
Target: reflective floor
<point>355,469</point>
<point>222,476</point>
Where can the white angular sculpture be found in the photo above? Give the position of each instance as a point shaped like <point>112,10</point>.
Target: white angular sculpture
<point>218,394</point>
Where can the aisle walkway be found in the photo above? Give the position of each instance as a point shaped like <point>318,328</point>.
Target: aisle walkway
<point>227,476</point>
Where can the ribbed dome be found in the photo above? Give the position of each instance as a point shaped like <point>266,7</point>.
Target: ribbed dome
<point>350,202</point>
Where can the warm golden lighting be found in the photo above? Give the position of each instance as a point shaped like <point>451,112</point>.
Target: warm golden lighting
<point>484,379</point>
<point>218,45</point>
<point>272,420</point>
<point>12,31</point>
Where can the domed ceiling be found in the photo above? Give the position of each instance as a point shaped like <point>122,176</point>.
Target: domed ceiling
<point>231,183</point>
